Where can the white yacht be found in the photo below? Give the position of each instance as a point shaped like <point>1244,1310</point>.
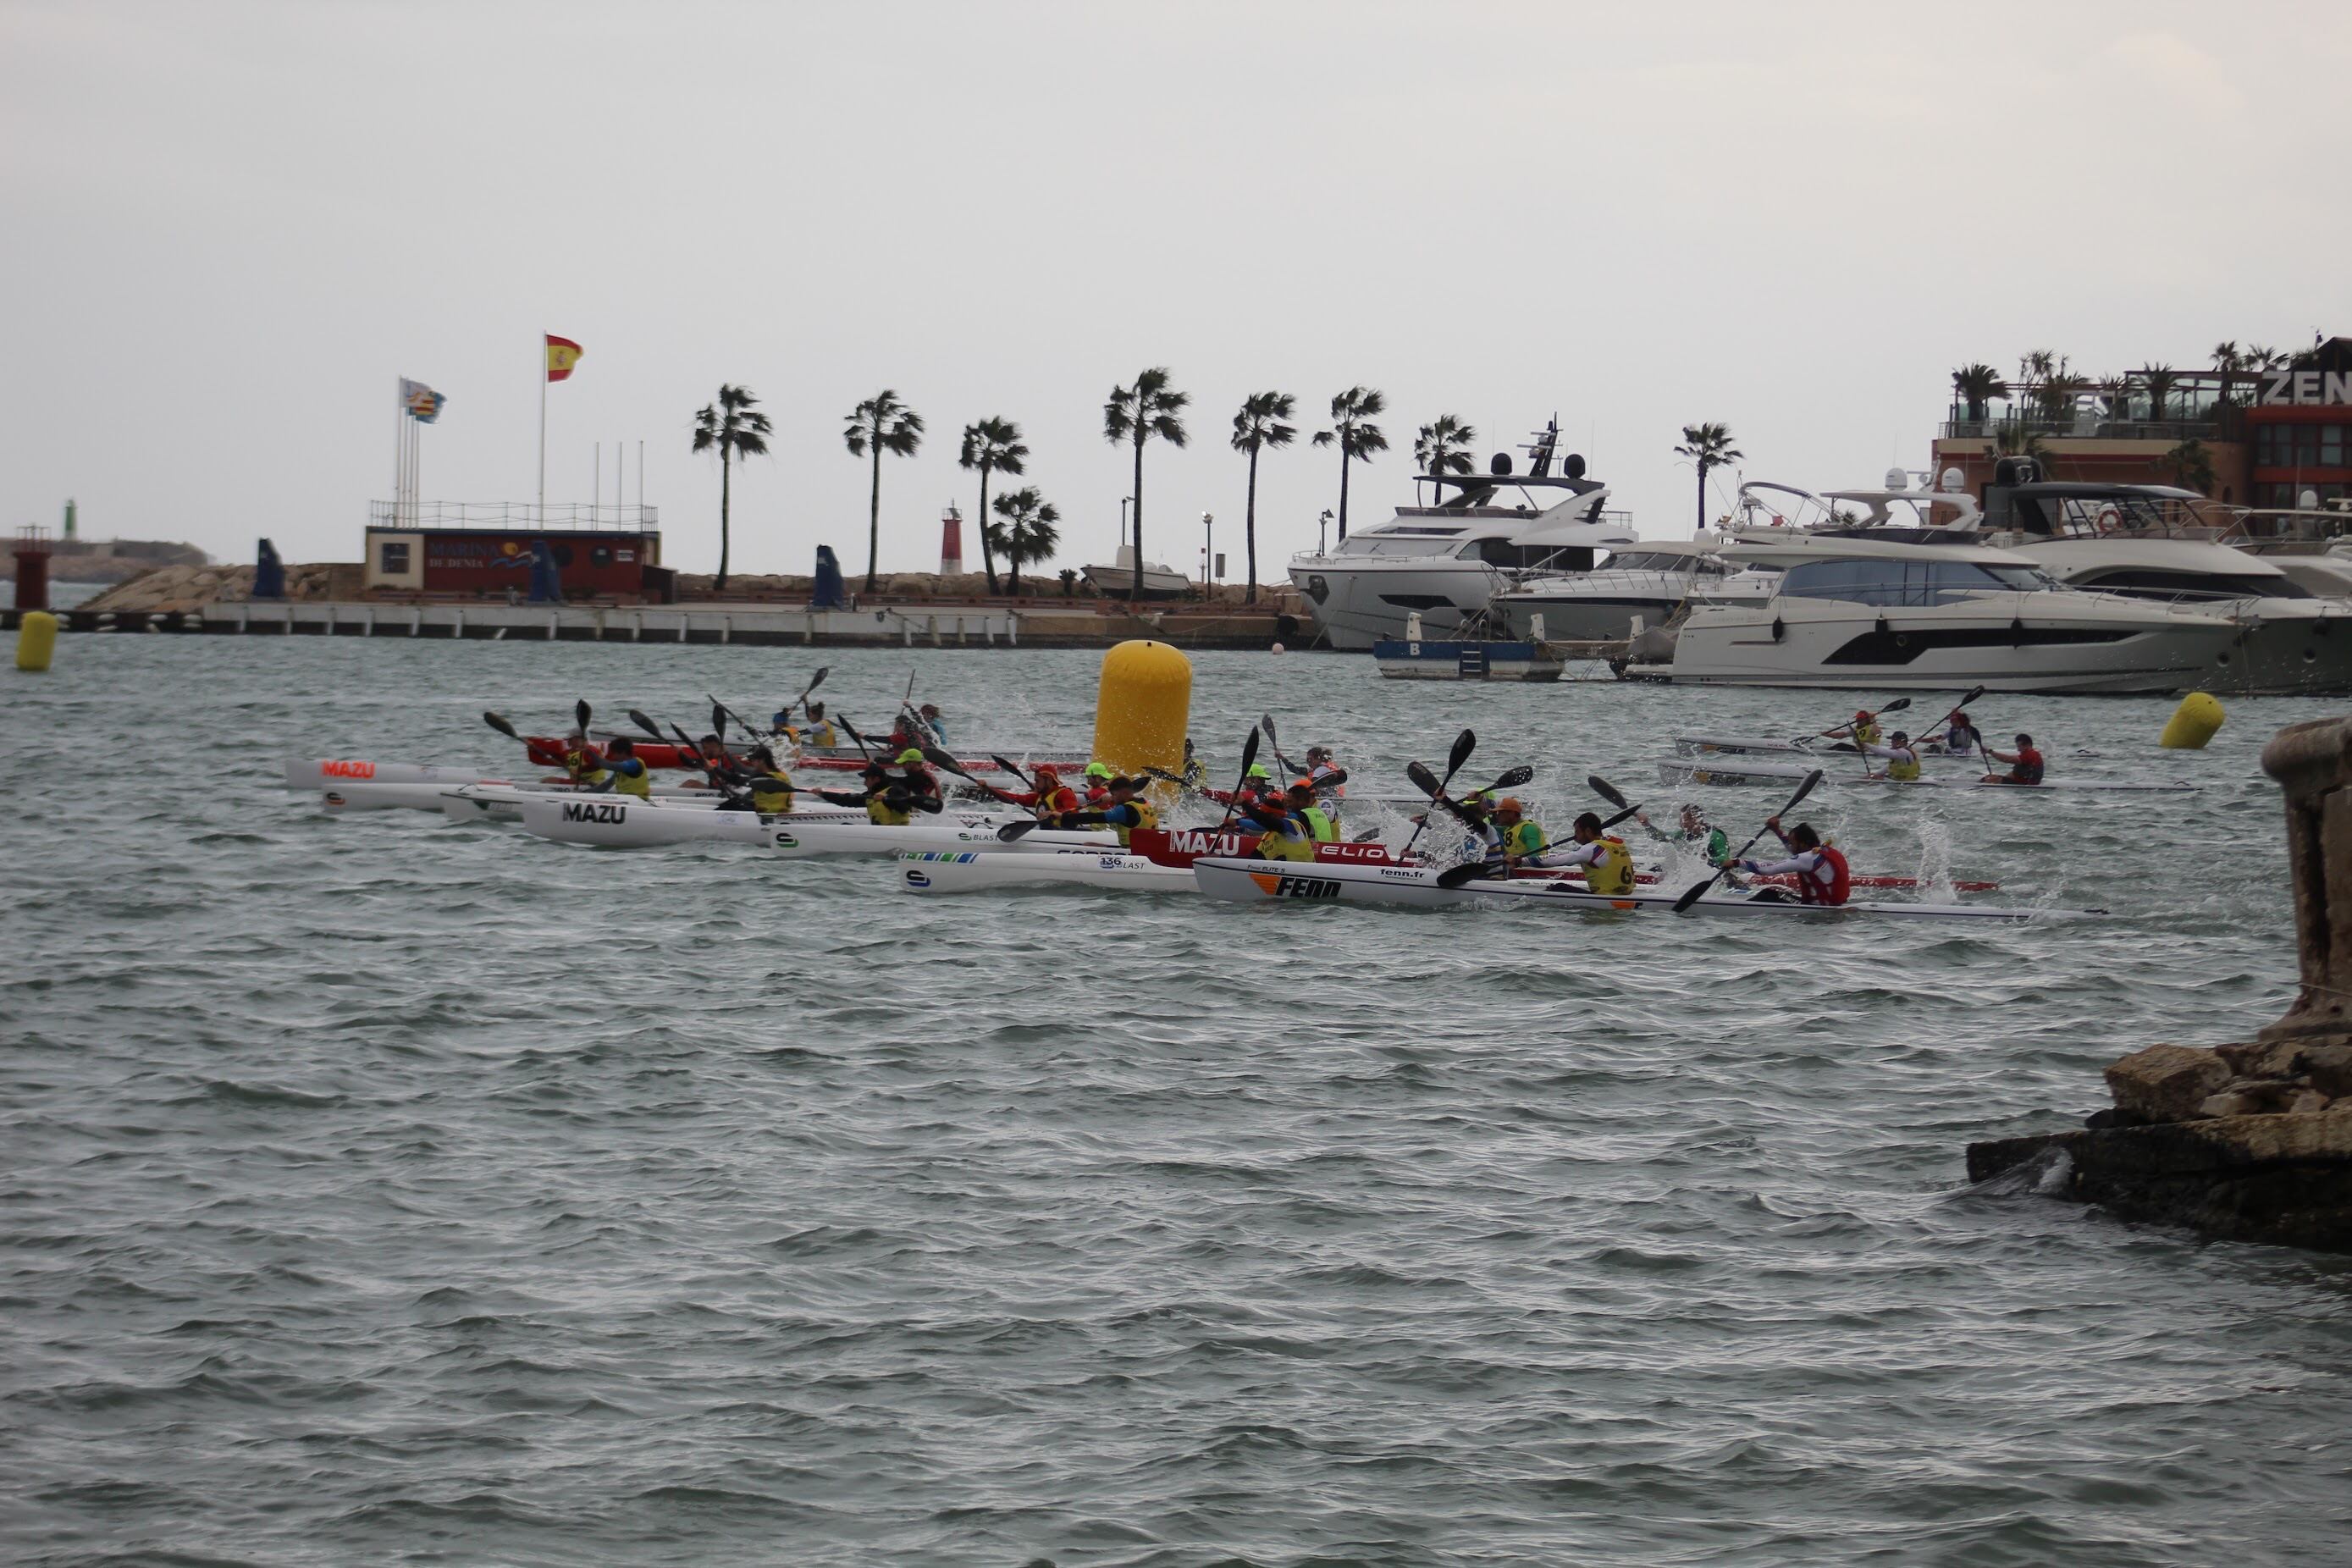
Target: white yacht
<point>1849,610</point>
<point>2157,542</point>
<point>1117,581</point>
<point>1645,583</point>
<point>1446,563</point>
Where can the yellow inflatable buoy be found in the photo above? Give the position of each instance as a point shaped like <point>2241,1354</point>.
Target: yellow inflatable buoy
<point>1143,706</point>
<point>2192,723</point>
<point>37,640</point>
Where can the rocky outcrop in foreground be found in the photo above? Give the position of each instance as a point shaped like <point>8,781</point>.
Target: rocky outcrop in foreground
<point>2251,1141</point>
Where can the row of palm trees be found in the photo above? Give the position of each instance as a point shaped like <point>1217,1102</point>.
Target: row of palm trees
<point>2048,379</point>
<point>1136,414</point>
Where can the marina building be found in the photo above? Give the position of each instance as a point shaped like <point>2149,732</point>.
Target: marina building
<point>443,549</point>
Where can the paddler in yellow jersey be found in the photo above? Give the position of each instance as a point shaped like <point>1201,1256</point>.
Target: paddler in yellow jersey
<point>1862,731</point>
<point>583,763</point>
<point>1123,811</point>
<point>888,801</point>
<point>770,788</point>
<point>626,774</point>
<point>1291,828</point>
<point>819,731</point>
<point>1607,865</point>
<point>1902,758</point>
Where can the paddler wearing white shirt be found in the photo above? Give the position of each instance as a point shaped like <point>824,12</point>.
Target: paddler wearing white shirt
<point>1819,868</point>
<point>1902,758</point>
<point>1961,737</point>
<point>1607,865</point>
<point>1329,779</point>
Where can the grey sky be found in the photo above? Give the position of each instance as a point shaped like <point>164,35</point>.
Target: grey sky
<point>229,227</point>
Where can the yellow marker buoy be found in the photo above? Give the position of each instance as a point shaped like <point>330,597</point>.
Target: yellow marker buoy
<point>1143,705</point>
<point>37,640</point>
<point>2192,723</point>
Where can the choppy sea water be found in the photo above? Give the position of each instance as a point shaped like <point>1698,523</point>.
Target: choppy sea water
<point>377,1190</point>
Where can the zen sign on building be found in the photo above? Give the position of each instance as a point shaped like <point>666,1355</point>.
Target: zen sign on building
<point>2307,389</point>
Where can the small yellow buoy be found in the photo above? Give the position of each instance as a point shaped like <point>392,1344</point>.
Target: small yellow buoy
<point>1143,706</point>
<point>2192,723</point>
<point>37,640</point>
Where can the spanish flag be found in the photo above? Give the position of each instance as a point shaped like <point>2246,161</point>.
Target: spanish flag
<point>563,353</point>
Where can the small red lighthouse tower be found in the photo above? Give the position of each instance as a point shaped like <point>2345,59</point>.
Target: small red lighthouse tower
<point>952,542</point>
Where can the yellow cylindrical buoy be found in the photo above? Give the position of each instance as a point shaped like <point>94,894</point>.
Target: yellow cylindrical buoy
<point>2192,723</point>
<point>37,640</point>
<point>1143,706</point>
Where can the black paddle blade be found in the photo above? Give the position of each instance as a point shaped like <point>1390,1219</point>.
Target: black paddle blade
<point>1468,871</point>
<point>647,725</point>
<point>1249,752</point>
<point>1366,836</point>
<point>1512,778</point>
<point>580,710</point>
<point>500,725</point>
<point>1266,722</point>
<point>815,681</point>
<point>718,720</point>
<point>1464,744</point>
<point>1896,706</point>
<point>1011,831</point>
<point>1423,779</point>
<point>1620,817</point>
<point>1605,789</point>
<point>1803,789</point>
<point>940,759</point>
<point>1696,890</point>
<point>1010,771</point>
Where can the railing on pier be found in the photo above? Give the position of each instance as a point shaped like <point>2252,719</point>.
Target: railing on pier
<point>487,517</point>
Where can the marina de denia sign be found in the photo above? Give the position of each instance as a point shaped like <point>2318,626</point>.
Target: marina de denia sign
<point>2303,388</point>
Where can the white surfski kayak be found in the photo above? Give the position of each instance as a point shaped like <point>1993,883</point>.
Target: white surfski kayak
<point>1735,771</point>
<point>1414,886</point>
<point>331,771</point>
<point>795,839</point>
<point>1765,745</point>
<point>975,871</point>
<point>434,797</point>
<point>503,803</point>
<point>618,822</point>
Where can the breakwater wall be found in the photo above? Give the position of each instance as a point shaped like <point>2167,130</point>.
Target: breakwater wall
<point>2249,1140</point>
<point>910,625</point>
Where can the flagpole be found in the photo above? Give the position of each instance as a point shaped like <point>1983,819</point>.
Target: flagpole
<point>542,429</point>
<point>398,436</point>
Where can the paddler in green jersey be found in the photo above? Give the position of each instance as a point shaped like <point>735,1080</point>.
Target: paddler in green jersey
<point>1520,838</point>
<point>1708,841</point>
<point>627,774</point>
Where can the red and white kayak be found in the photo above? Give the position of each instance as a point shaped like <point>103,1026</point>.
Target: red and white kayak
<point>330,773</point>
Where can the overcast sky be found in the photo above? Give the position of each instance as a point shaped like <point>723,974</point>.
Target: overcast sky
<point>229,228</point>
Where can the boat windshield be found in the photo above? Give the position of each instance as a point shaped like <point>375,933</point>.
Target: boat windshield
<point>1914,583</point>
<point>1659,561</point>
<point>1403,541</point>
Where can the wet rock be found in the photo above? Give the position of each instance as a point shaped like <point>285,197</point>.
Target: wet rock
<point>2262,1058</point>
<point>2254,1097</point>
<point>2166,1083</point>
<point>2329,1067</point>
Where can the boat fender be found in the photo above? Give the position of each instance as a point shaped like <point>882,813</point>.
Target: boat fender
<point>2017,631</point>
<point>1778,631</point>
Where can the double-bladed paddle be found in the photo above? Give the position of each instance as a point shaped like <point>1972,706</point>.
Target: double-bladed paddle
<point>1249,760</point>
<point>1896,706</point>
<point>1474,870</point>
<point>1698,889</point>
<point>1464,744</point>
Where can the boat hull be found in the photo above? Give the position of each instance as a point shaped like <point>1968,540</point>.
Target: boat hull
<point>797,841</point>
<point>974,871</point>
<point>1254,882</point>
<point>1357,601</point>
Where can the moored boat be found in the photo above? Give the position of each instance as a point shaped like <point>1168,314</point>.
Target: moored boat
<point>1737,772</point>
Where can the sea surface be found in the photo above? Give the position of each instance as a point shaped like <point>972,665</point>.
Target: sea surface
<point>374,1190</point>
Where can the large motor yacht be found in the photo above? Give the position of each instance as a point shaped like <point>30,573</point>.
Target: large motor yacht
<point>2154,541</point>
<point>1446,563</point>
<point>1849,610</point>
<point>1644,584</point>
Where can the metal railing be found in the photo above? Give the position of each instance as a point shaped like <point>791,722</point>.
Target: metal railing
<point>2082,428</point>
<point>491,517</point>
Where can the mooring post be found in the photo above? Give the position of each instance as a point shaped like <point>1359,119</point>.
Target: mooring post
<point>2313,763</point>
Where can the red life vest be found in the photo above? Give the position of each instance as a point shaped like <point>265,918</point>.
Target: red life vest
<point>2029,767</point>
<point>1808,886</point>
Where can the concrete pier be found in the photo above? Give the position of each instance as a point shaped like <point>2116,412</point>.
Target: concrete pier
<point>2251,1141</point>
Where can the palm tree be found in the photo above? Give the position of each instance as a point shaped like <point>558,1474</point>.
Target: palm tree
<point>2159,380</point>
<point>1443,447</point>
<point>2228,359</point>
<point>2018,439</point>
<point>1977,385</point>
<point>1027,533</point>
<point>880,424</point>
<point>1352,432</point>
<point>1260,425</point>
<point>1136,414</point>
<point>988,446</point>
<point>1710,447</point>
<point>2193,465</point>
<point>732,428</point>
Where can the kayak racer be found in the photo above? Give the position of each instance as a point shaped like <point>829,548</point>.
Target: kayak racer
<point>582,763</point>
<point>1123,812</point>
<point>1710,842</point>
<point>2025,764</point>
<point>1902,759</point>
<point>625,775</point>
<point>1823,876</point>
<point>1607,864</point>
<point>1288,829</point>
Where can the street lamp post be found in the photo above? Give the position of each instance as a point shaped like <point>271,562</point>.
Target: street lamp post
<point>1208,552</point>
<point>1124,501</point>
